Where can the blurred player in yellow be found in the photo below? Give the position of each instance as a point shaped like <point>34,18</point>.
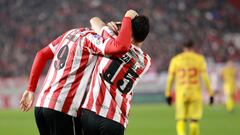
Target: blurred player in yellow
<point>229,74</point>
<point>187,69</point>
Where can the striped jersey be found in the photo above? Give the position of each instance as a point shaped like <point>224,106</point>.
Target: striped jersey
<point>114,78</point>
<point>70,70</point>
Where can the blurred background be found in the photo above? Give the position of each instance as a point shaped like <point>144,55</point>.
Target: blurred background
<point>26,26</point>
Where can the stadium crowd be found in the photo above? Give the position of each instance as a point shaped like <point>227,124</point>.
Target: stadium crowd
<point>28,25</point>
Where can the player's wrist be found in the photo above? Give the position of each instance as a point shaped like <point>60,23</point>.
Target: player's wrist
<point>30,91</point>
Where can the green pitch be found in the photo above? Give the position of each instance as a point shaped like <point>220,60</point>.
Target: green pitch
<point>148,119</point>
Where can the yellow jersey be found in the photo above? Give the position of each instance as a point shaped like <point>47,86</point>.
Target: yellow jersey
<point>187,69</point>
<point>229,73</point>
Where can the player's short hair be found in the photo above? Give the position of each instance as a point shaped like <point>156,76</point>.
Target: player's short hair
<point>140,28</point>
<point>188,44</point>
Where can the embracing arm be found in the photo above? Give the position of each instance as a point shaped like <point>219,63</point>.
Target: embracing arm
<point>122,42</point>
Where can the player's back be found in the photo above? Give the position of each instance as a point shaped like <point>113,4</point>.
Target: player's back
<point>187,67</point>
<point>229,74</point>
<point>70,70</point>
<point>111,89</point>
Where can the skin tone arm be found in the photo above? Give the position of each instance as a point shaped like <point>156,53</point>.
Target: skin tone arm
<point>97,23</point>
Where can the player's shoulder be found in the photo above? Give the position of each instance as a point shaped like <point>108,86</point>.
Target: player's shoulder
<point>197,55</point>
<point>200,57</point>
<point>146,56</point>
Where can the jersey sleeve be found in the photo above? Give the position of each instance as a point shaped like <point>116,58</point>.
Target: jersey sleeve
<point>39,63</point>
<point>170,78</point>
<point>205,77</point>
<point>107,45</point>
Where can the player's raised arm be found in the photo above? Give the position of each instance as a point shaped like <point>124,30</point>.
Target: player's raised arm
<point>102,29</point>
<point>110,45</point>
<point>97,24</point>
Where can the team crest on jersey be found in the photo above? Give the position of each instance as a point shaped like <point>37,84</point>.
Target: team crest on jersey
<point>96,40</point>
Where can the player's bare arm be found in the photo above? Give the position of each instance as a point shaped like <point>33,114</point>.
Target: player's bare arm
<point>97,24</point>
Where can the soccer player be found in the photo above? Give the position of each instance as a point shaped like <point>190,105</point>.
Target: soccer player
<point>229,74</point>
<point>187,69</point>
<point>73,57</point>
<point>109,99</point>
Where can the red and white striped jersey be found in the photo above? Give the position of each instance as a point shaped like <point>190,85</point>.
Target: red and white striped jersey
<point>112,83</point>
<point>70,70</point>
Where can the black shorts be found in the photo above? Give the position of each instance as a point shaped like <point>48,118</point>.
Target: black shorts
<point>51,122</point>
<point>94,124</point>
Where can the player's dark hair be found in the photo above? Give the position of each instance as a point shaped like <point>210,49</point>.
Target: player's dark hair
<point>188,44</point>
<point>140,28</point>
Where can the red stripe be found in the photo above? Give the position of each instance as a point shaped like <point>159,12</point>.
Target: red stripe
<point>125,100</point>
<point>47,90</point>
<point>95,73</point>
<point>100,98</point>
<point>54,76</point>
<point>114,104</point>
<point>64,77</point>
<point>75,84</point>
<point>102,92</point>
<point>123,109</point>
<point>44,83</point>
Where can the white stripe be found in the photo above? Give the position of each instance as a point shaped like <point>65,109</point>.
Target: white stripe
<point>118,112</point>
<point>82,85</point>
<point>106,102</point>
<point>98,82</point>
<point>47,83</point>
<point>52,47</point>
<point>59,75</point>
<point>51,69</point>
<point>71,77</point>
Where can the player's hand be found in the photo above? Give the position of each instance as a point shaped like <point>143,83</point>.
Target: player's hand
<point>211,100</point>
<point>131,13</point>
<point>26,101</point>
<point>115,26</point>
<point>169,100</point>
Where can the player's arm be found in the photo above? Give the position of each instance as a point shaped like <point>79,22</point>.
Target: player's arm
<point>206,80</point>
<point>106,31</point>
<point>110,45</point>
<point>39,63</point>
<point>170,79</point>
